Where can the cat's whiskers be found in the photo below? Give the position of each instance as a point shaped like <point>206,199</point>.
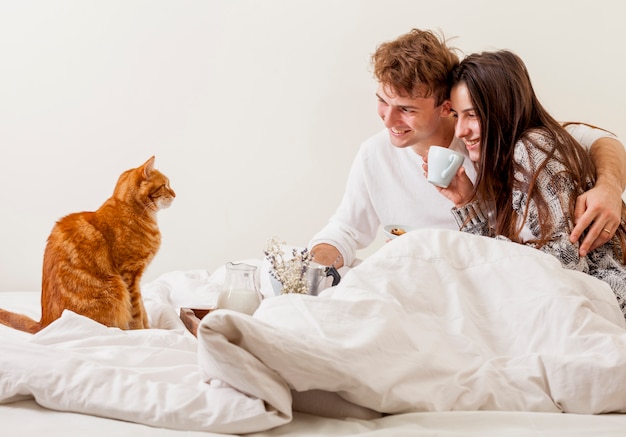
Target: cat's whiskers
<point>151,207</point>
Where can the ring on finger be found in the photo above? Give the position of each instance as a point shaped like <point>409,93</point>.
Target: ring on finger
<point>607,231</point>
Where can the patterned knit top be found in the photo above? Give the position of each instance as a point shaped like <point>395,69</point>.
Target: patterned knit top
<point>557,189</point>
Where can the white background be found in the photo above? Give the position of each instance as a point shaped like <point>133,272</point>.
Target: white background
<point>253,108</point>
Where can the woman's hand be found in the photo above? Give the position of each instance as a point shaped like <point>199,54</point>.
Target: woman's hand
<point>460,189</point>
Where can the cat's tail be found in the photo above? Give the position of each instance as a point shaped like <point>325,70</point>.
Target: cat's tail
<point>19,321</point>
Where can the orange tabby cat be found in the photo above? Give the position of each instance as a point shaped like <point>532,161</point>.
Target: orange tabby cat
<point>93,261</point>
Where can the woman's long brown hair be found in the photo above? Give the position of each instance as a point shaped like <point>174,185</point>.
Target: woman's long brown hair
<point>508,109</point>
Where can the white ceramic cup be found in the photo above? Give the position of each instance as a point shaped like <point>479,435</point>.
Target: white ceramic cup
<point>443,164</point>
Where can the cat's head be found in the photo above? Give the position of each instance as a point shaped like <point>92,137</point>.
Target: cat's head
<point>145,186</point>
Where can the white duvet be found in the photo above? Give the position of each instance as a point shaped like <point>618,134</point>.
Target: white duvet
<point>434,321</point>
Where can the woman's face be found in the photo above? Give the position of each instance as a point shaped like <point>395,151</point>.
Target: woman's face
<point>467,126</point>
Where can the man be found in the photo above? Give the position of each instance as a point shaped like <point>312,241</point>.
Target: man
<point>386,184</point>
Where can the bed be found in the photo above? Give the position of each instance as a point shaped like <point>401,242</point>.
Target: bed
<point>437,333</point>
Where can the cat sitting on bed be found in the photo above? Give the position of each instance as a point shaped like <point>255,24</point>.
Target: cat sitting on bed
<point>93,261</point>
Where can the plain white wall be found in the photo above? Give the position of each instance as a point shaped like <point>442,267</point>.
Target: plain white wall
<point>253,108</point>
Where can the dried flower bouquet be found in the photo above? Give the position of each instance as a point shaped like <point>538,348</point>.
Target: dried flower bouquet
<point>289,271</point>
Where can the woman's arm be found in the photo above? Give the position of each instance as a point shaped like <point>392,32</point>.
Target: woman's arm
<point>471,218</point>
<point>557,189</point>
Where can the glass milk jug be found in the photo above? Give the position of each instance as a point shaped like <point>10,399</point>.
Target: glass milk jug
<point>240,292</point>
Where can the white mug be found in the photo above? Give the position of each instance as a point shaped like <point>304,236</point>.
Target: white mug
<point>443,164</point>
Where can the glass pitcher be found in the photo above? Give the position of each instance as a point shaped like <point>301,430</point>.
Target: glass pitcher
<point>241,291</point>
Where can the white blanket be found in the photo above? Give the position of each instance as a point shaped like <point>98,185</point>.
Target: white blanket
<point>434,321</point>
<point>145,376</point>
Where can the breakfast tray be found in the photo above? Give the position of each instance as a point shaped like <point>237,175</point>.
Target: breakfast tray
<point>191,317</point>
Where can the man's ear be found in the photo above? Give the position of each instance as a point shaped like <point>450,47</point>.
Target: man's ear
<point>445,108</point>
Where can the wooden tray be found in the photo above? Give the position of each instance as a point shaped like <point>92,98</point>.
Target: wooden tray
<point>191,317</point>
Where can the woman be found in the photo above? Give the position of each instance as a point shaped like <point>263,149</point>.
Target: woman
<point>530,170</point>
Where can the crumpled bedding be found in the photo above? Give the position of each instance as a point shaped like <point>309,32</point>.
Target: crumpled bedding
<point>434,321</point>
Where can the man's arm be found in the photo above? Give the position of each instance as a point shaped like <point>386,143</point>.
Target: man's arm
<point>600,208</point>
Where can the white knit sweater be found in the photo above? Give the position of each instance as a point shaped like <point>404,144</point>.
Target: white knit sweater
<point>557,188</point>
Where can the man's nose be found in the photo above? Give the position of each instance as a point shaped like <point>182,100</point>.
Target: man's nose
<point>389,116</point>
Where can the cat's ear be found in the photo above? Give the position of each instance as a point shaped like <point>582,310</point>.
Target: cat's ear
<point>147,167</point>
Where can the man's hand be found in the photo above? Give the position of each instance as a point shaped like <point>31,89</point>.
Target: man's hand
<point>327,255</point>
<point>599,211</point>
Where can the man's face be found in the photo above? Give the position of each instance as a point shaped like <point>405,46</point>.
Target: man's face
<point>409,121</point>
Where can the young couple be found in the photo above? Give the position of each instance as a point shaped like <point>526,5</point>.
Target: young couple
<point>523,164</point>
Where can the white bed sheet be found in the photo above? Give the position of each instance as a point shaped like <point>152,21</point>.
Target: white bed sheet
<point>25,417</point>
<point>28,419</point>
